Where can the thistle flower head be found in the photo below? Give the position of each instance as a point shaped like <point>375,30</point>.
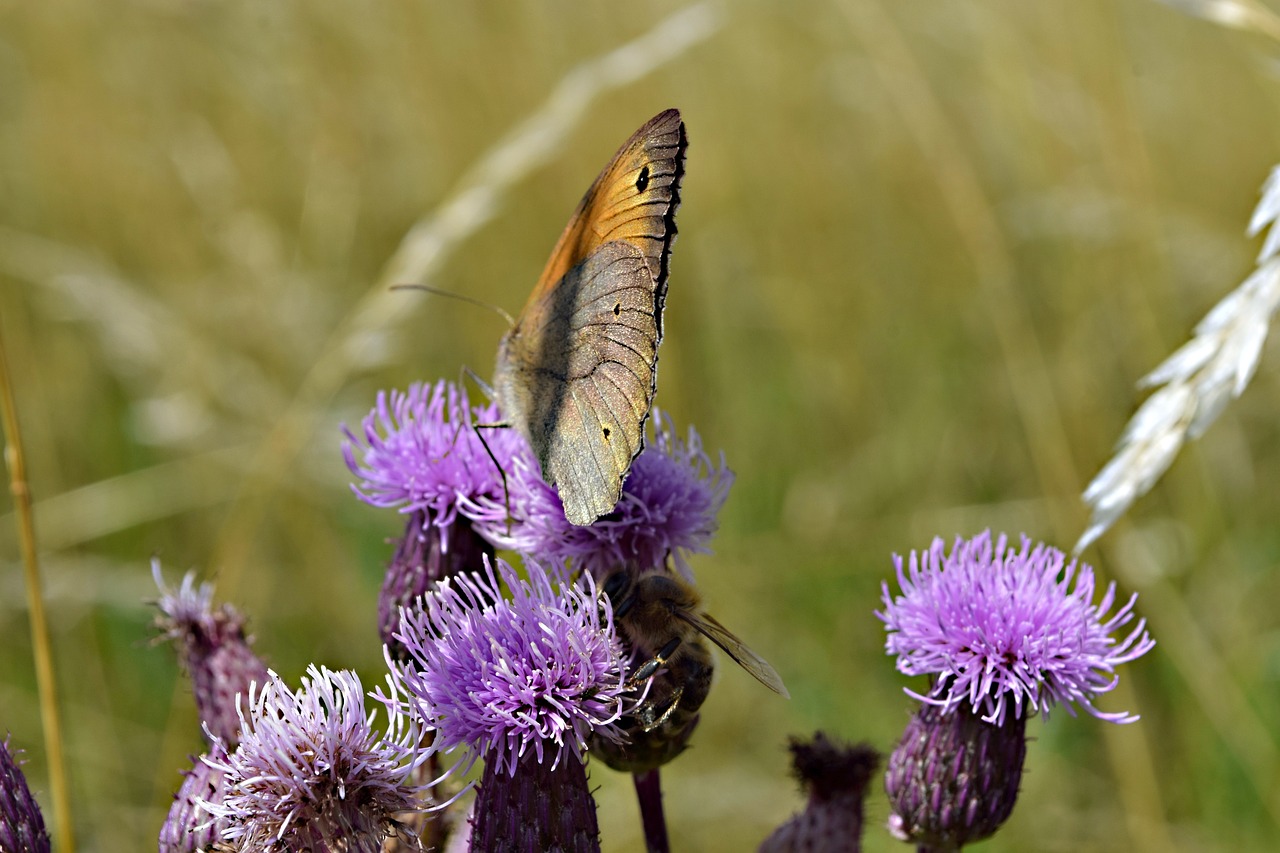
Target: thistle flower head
<point>417,450</point>
<point>311,773</point>
<point>21,824</point>
<point>501,677</point>
<point>669,505</point>
<point>1007,631</point>
<point>213,648</point>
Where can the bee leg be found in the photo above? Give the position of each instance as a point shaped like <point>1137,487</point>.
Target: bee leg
<point>646,670</point>
<point>651,716</point>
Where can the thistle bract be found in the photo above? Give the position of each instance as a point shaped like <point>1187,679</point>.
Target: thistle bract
<point>21,823</point>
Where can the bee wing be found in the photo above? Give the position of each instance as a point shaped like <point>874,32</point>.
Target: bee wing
<point>736,649</point>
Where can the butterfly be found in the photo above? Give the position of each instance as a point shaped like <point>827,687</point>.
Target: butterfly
<point>577,371</point>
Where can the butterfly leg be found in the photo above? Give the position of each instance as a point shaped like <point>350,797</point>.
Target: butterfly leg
<point>506,491</point>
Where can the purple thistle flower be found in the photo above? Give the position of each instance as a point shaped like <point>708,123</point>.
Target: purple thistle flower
<point>418,451</point>
<point>669,505</point>
<point>835,778</point>
<point>213,648</point>
<point>501,677</point>
<point>189,828</point>
<point>998,629</point>
<point>311,773</point>
<point>21,823</point>
<point>519,682</point>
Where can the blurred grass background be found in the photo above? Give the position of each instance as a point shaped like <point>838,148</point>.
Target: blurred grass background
<point>926,250</point>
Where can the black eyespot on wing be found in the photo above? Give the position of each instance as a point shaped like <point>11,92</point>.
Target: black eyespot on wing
<point>606,433</point>
<point>642,181</point>
<point>617,309</point>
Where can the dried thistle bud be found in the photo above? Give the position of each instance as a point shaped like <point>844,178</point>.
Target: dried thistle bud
<point>835,777</point>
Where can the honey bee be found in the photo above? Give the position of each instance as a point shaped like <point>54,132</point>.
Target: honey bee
<point>663,625</point>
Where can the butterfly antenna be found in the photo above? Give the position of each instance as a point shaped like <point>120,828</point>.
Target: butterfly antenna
<point>511,321</point>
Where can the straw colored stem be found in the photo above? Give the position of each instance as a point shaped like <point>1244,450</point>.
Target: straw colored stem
<point>40,644</point>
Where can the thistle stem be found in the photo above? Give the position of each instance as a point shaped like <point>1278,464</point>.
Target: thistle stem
<point>42,648</point>
<point>649,793</point>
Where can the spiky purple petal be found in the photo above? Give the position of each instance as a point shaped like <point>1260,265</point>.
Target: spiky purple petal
<point>1007,632</point>
<point>669,507</point>
<point>312,773</point>
<point>419,451</point>
<point>502,677</point>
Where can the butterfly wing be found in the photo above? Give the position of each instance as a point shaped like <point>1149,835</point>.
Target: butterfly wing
<point>634,199</point>
<point>577,375</point>
<point>577,372</point>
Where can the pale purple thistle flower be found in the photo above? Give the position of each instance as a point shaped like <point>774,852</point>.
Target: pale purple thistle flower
<point>418,450</point>
<point>311,773</point>
<point>996,628</point>
<point>214,650</point>
<point>669,507</point>
<point>501,677</point>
